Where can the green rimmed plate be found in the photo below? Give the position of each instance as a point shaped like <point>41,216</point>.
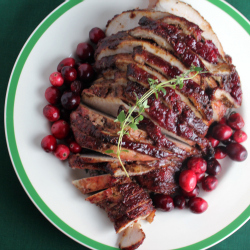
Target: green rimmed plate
<point>48,181</point>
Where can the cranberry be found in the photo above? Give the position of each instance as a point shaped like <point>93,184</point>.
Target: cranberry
<point>69,61</point>
<point>70,100</point>
<point>51,112</point>
<point>69,74</point>
<point>222,132</point>
<point>235,121</point>
<point>164,202</point>
<point>197,164</point>
<point>187,180</point>
<point>85,52</point>
<point>96,34</point>
<point>213,141</point>
<point>52,95</point>
<point>228,141</point>
<point>75,148</point>
<point>62,152</point>
<point>200,177</point>
<point>49,143</point>
<point>197,205</point>
<point>76,87</point>
<point>236,151</point>
<point>56,79</point>
<point>209,183</point>
<point>60,129</point>
<point>86,72</point>
<point>223,120</point>
<point>213,167</point>
<point>220,152</point>
<point>240,136</point>
<point>194,193</point>
<point>179,201</point>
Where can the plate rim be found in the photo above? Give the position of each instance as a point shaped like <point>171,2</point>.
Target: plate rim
<point>13,150</point>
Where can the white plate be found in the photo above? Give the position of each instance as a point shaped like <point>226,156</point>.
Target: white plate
<point>47,181</point>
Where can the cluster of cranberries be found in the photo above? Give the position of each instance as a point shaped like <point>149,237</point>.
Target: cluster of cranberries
<point>71,77</point>
<point>198,170</point>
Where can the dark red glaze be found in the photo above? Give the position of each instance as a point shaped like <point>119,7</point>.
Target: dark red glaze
<point>69,61</point>
<point>56,79</point>
<point>235,121</point>
<point>49,143</point>
<point>236,151</point>
<point>96,34</point>
<point>69,74</point>
<point>209,183</point>
<point>240,136</point>
<point>197,205</point>
<point>213,141</point>
<point>62,152</point>
<point>222,132</point>
<point>76,87</point>
<point>200,177</point>
<point>86,73</point>
<point>70,100</point>
<point>163,202</point>
<point>220,152</point>
<point>197,164</point>
<point>228,141</point>
<point>213,167</point>
<point>179,201</point>
<point>85,52</point>
<point>65,114</point>
<point>52,95</point>
<point>74,147</point>
<point>194,193</point>
<point>60,129</point>
<point>52,113</point>
<point>187,180</point>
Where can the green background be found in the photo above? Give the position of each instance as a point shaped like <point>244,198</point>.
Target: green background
<point>22,226</point>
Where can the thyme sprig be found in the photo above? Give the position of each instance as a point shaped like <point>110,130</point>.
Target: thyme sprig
<point>127,121</point>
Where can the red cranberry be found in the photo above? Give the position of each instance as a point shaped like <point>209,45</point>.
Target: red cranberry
<point>85,52</point>
<point>75,148</point>
<point>62,152</point>
<point>222,132</point>
<point>51,112</point>
<point>228,141</point>
<point>69,61</point>
<point>60,129</point>
<point>197,205</point>
<point>49,143</point>
<point>179,201</point>
<point>213,167</point>
<point>213,141</point>
<point>235,121</point>
<point>236,151</point>
<point>70,100</point>
<point>187,180</point>
<point>76,87</point>
<point>209,183</point>
<point>194,193</point>
<point>96,34</point>
<point>56,79</point>
<point>200,177</point>
<point>197,164</point>
<point>69,74</point>
<point>86,73</point>
<point>223,120</point>
<point>52,95</point>
<point>164,202</point>
<point>240,136</point>
<point>220,152</point>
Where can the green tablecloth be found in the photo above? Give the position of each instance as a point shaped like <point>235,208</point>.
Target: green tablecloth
<point>22,226</point>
